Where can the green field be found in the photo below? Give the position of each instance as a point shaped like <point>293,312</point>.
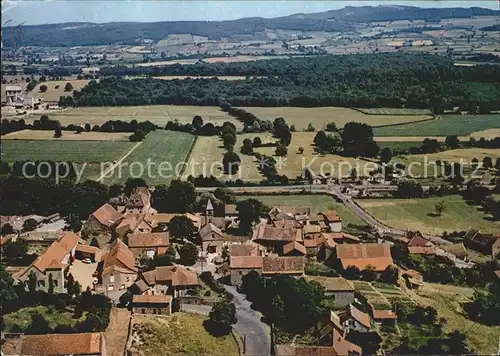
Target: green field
<point>417,214</point>
<point>179,334</point>
<point>74,151</point>
<point>460,125</point>
<point>317,203</point>
<point>166,151</point>
<point>20,320</point>
<point>399,146</point>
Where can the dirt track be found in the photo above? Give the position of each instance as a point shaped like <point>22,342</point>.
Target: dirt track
<point>117,332</point>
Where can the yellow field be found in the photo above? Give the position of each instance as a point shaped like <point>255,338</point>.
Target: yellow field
<point>465,154</point>
<point>67,136</point>
<point>319,117</point>
<point>52,94</point>
<point>158,114</point>
<point>208,152</point>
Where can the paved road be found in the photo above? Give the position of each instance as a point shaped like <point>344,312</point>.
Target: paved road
<point>249,325</point>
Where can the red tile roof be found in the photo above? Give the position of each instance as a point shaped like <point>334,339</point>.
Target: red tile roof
<point>53,256</point>
<point>294,246</point>
<point>331,216</point>
<point>242,262</point>
<point>107,215</point>
<point>422,250</point>
<point>384,314</point>
<point>152,239</point>
<point>363,255</point>
<point>176,275</point>
<point>356,314</point>
<point>120,255</point>
<point>419,241</point>
<point>152,299</point>
<point>62,344</point>
<point>249,249</point>
<point>271,233</point>
<point>277,265</point>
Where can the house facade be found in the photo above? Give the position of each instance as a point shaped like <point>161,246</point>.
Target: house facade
<point>52,264</point>
<point>338,289</point>
<point>118,268</point>
<point>152,304</point>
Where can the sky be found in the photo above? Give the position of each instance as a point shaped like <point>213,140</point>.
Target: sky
<point>35,12</point>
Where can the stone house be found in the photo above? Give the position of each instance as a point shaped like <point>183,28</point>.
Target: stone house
<point>384,317</point>
<point>361,256</point>
<point>352,318</point>
<point>338,289</point>
<point>332,220</point>
<point>152,304</point>
<point>148,245</point>
<point>135,223</point>
<point>53,262</point>
<point>176,281</point>
<point>118,268</point>
<point>102,221</point>
<point>242,265</point>
<point>212,238</point>
<point>275,238</point>
<point>487,244</point>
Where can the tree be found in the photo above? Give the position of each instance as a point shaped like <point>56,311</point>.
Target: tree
<point>431,146</point>
<point>439,208</point>
<point>231,163</point>
<point>7,229</point>
<point>353,174</point>
<point>94,242</point>
<point>39,325</point>
<point>188,254</point>
<point>386,155</point>
<point>368,341</point>
<point>181,227</point>
<point>14,250</point>
<point>281,150</point>
<point>222,316</point>
<point>32,282</point>
<point>29,224</point>
<point>247,147</point>
<point>320,139</point>
<point>87,127</point>
<point>58,132</point>
<point>197,122</point>
<point>310,128</point>
<point>225,254</point>
<point>331,127</point>
<point>68,87</point>
<point>257,141</point>
<point>409,188</point>
<point>228,140</point>
<point>181,196</point>
<point>487,162</point>
<point>301,150</point>
<point>292,128</point>
<point>249,212</point>
<point>7,292</point>
<point>452,141</point>
<point>352,272</point>
<point>390,275</point>
<point>43,88</point>
<point>51,285</point>
<point>137,136</point>
<point>357,140</point>
<point>369,274</point>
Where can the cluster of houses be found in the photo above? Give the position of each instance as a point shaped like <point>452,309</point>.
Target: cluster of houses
<point>278,245</point>
<point>16,98</point>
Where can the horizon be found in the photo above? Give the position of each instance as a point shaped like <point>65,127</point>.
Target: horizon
<point>75,11</point>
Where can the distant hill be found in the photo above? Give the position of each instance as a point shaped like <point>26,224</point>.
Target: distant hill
<point>81,34</point>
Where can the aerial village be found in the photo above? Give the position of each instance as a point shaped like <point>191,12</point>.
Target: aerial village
<point>144,264</point>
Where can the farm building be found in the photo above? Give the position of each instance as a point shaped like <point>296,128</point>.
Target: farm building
<point>338,289</point>
<point>152,304</point>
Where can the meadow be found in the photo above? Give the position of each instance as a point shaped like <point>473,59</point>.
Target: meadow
<point>317,203</point>
<point>74,151</point>
<point>394,111</point>
<point>166,151</point>
<point>418,214</point>
<point>20,320</point>
<point>52,94</point>
<point>66,136</point>
<point>461,125</point>
<point>319,117</point>
<point>179,334</point>
<point>448,300</point>
<point>157,114</point>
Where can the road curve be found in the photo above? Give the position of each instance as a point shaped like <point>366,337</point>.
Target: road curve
<point>249,325</point>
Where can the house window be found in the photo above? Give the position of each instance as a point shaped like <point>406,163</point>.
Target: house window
<point>122,286</point>
<point>111,287</point>
<point>111,278</point>
<point>55,282</point>
<point>212,249</point>
<point>143,311</point>
<point>41,283</point>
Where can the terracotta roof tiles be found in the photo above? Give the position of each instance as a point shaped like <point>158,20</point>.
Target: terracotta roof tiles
<point>107,215</point>
<point>277,265</point>
<point>152,239</point>
<point>294,246</point>
<point>243,262</point>
<point>363,255</point>
<point>62,344</point>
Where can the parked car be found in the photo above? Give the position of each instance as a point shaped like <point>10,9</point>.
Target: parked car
<point>87,260</point>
